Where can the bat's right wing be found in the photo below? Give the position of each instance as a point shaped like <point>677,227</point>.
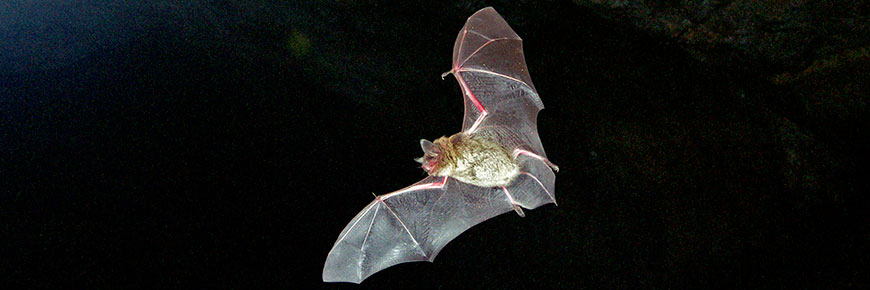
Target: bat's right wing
<point>408,225</point>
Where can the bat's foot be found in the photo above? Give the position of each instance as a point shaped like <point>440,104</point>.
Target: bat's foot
<point>518,152</point>
<point>553,166</point>
<point>519,210</point>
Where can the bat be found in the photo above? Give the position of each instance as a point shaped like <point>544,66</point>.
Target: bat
<point>494,165</point>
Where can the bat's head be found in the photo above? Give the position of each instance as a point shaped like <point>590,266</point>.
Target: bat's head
<point>431,152</point>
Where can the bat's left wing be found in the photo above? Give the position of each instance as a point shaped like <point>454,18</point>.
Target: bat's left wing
<point>409,225</point>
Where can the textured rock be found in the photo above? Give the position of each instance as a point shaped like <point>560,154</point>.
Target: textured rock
<point>814,56</point>
<point>775,36</point>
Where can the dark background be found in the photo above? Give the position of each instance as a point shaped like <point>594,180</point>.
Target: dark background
<point>222,144</point>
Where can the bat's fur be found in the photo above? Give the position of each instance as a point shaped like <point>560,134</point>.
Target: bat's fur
<point>475,160</point>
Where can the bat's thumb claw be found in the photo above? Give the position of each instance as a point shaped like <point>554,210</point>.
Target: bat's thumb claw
<point>446,73</point>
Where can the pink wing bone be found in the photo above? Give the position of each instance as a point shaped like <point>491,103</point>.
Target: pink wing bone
<point>471,97</point>
<point>433,185</point>
<point>474,101</point>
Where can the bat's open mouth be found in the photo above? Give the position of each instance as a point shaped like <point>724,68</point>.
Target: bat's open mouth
<point>429,166</point>
<point>428,163</point>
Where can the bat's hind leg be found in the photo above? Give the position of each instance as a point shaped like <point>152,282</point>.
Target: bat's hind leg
<point>518,152</point>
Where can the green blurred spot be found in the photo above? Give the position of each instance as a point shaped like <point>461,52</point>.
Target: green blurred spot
<point>298,43</point>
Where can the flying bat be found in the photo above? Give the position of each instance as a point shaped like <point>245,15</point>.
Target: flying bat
<point>494,165</point>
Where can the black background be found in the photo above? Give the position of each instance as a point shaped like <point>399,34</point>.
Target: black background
<point>225,145</point>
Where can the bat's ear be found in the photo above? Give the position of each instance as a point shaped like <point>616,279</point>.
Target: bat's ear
<point>429,160</point>
<point>428,147</point>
